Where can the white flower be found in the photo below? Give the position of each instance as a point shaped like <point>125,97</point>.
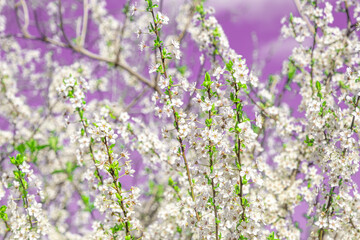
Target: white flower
<point>124,116</point>
<point>206,105</point>
<point>124,154</point>
<point>248,172</point>
<point>163,19</point>
<point>175,43</point>
<point>138,32</point>
<point>84,142</point>
<point>184,130</point>
<point>202,59</point>
<point>218,71</point>
<point>164,82</point>
<point>259,120</point>
<point>356,114</point>
<point>133,8</point>
<point>177,102</point>
<point>112,136</point>
<point>154,68</point>
<point>25,168</point>
<point>184,84</point>
<point>76,102</point>
<point>167,109</point>
<point>142,45</point>
<point>33,235</point>
<point>192,87</point>
<point>333,224</point>
<point>321,223</point>
<point>177,53</point>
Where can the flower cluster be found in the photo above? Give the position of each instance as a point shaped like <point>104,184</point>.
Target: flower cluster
<point>133,141</point>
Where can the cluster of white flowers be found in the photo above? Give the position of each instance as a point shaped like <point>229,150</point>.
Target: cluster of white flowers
<point>149,147</point>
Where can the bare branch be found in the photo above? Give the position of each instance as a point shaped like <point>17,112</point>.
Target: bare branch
<point>24,27</point>
<point>84,23</point>
<point>62,24</point>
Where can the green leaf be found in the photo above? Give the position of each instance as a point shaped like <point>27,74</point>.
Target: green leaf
<point>216,32</point>
<point>208,122</point>
<point>255,128</point>
<point>271,79</point>
<point>13,160</point>
<point>40,147</point>
<point>237,189</point>
<point>244,180</point>
<point>53,143</point>
<point>58,171</point>
<point>117,228</point>
<point>21,148</point>
<point>207,81</point>
<point>229,66</point>
<point>291,17</point>
<point>308,141</point>
<point>170,182</point>
<point>32,145</point>
<point>89,206</point>
<point>343,86</point>
<point>18,160</point>
<point>287,87</point>
<point>272,237</point>
<point>182,69</point>
<point>291,71</point>
<point>3,214</point>
<point>318,86</point>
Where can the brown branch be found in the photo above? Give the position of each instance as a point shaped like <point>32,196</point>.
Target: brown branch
<point>62,24</point>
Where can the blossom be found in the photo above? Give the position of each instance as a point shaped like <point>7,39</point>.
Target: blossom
<point>202,59</point>
<point>125,154</point>
<point>112,136</point>
<point>206,105</point>
<point>356,114</point>
<point>142,45</point>
<point>184,130</point>
<point>154,68</point>
<point>175,43</point>
<point>84,142</point>
<point>138,33</point>
<point>321,222</point>
<point>163,19</point>
<point>124,117</point>
<point>259,120</point>
<point>177,53</point>
<point>177,102</point>
<point>133,8</point>
<point>163,82</point>
<point>184,83</point>
<point>218,71</point>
